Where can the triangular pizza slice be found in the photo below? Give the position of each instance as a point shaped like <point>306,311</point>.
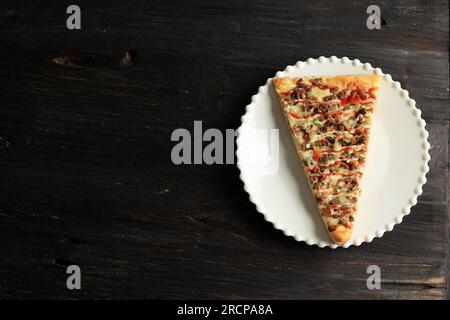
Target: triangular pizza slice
<point>330,120</point>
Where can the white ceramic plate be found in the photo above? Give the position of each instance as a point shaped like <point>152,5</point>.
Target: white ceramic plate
<point>395,168</point>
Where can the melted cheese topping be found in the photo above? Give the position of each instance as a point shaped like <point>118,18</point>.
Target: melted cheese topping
<point>332,144</point>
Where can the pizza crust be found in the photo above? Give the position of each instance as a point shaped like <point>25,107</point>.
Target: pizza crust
<point>353,82</point>
<point>284,85</point>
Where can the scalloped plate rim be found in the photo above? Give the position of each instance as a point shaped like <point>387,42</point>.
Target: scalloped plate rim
<point>417,190</point>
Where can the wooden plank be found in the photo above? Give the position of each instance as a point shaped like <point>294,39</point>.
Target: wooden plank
<point>85,153</point>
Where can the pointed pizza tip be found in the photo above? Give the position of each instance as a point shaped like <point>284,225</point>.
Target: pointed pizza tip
<point>341,235</point>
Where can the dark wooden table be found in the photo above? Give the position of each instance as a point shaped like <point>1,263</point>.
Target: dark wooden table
<point>86,176</point>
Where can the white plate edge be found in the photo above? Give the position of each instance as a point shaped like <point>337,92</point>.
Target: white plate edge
<point>424,167</point>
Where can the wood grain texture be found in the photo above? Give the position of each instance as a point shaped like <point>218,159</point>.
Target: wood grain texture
<point>86,176</point>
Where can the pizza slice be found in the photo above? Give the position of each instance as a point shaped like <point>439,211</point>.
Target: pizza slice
<point>330,119</point>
